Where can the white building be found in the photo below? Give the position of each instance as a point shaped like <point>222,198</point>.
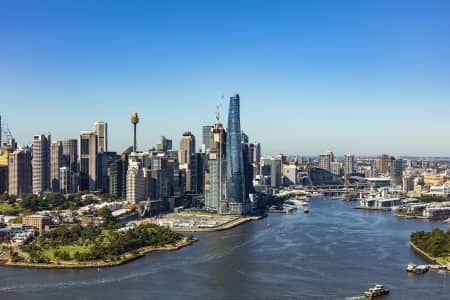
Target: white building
<point>290,174</point>
<point>135,182</point>
<point>349,164</point>
<point>41,163</point>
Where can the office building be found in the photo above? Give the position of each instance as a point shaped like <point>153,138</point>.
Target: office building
<point>117,172</point>
<point>164,144</point>
<point>101,130</point>
<point>4,165</point>
<point>383,164</point>
<point>70,154</point>
<point>135,182</point>
<point>41,163</point>
<point>235,163</point>
<point>396,172</point>
<point>255,157</point>
<point>271,171</point>
<point>336,168</point>
<point>186,159</point>
<point>206,137</point>
<point>20,172</point>
<point>215,171</point>
<point>67,181</point>
<point>87,149</point>
<point>325,160</point>
<point>349,164</point>
<point>56,162</point>
<point>290,175</point>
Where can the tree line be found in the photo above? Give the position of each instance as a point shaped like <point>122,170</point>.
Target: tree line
<point>436,243</point>
<point>98,242</point>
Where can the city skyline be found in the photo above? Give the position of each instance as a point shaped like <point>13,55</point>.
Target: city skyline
<point>363,78</point>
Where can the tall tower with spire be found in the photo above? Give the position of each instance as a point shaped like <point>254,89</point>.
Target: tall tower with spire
<point>134,121</point>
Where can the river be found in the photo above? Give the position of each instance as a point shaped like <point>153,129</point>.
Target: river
<point>331,253</point>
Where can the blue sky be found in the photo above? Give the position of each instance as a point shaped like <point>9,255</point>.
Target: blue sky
<point>353,76</point>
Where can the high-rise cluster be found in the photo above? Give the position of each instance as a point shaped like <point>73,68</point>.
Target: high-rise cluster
<point>219,177</point>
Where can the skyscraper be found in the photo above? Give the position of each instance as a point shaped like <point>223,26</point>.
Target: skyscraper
<point>56,162</point>
<point>4,164</point>
<point>325,160</point>
<point>41,163</point>
<point>383,164</point>
<point>271,168</point>
<point>67,180</point>
<point>70,154</point>
<point>101,130</point>
<point>235,162</point>
<point>117,172</point>
<point>349,164</point>
<point>20,172</point>
<point>88,160</point>
<point>215,173</point>
<point>206,137</point>
<point>186,159</point>
<point>165,144</point>
<point>396,172</point>
<point>135,182</point>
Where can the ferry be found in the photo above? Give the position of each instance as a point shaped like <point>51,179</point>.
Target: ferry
<point>376,291</point>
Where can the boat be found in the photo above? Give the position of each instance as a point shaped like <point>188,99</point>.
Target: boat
<point>411,267</point>
<point>376,291</point>
<point>306,210</point>
<point>421,269</point>
<point>418,269</point>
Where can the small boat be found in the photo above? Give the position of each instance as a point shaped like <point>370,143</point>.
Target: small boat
<point>421,269</point>
<point>411,267</point>
<point>376,291</point>
<point>306,210</point>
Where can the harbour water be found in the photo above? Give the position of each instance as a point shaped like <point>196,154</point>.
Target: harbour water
<point>334,252</point>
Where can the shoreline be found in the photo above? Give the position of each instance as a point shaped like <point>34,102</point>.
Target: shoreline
<point>226,226</point>
<point>131,255</point>
<point>373,208</point>
<point>414,217</point>
<point>184,242</point>
<point>426,255</point>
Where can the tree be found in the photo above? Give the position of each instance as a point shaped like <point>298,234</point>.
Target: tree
<point>30,201</point>
<point>105,213</point>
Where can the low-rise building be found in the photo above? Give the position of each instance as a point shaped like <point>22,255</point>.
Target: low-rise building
<point>37,221</point>
<point>18,233</point>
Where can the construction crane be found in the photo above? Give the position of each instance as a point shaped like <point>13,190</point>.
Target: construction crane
<point>8,138</point>
<point>219,107</point>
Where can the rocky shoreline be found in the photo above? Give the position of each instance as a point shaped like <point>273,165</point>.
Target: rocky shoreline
<point>426,255</point>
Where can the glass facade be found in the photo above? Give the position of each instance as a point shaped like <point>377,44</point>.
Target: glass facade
<point>319,176</point>
<point>235,162</point>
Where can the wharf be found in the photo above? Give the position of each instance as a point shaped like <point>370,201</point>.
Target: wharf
<point>373,208</point>
<point>283,210</point>
<point>226,226</point>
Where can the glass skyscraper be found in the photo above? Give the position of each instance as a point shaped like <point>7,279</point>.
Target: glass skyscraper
<point>235,162</point>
